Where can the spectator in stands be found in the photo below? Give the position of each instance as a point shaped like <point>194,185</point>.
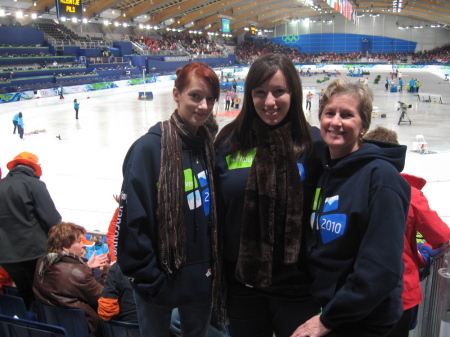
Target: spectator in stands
<point>5,279</point>
<point>27,212</point>
<point>15,121</point>
<point>112,231</point>
<point>166,232</point>
<point>420,219</point>
<point>98,248</point>
<point>262,195</point>
<point>356,267</point>
<point>117,299</point>
<point>63,279</point>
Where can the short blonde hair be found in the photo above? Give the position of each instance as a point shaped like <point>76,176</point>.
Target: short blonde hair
<point>363,95</point>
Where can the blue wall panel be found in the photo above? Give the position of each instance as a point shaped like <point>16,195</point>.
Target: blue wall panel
<point>125,48</point>
<point>21,36</point>
<point>344,43</point>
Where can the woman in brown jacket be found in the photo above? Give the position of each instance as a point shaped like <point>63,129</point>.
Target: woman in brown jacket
<point>63,279</point>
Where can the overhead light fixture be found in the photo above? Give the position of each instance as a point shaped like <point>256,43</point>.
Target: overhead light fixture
<point>397,6</point>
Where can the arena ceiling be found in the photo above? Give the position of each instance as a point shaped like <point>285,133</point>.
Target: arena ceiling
<point>205,15</point>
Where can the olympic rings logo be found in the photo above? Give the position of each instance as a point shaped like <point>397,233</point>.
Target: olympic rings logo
<point>290,38</point>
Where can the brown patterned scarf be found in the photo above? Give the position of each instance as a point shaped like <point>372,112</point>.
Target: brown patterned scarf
<point>272,212</point>
<point>171,193</point>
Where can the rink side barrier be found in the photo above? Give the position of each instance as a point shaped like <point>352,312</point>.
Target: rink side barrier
<point>434,311</point>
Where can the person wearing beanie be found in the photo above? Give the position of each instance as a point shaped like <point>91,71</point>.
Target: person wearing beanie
<point>27,212</point>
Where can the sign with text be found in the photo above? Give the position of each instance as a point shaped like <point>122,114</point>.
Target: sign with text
<point>225,26</point>
<point>69,9</point>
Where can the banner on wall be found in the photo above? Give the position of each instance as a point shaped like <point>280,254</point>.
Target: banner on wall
<point>344,7</point>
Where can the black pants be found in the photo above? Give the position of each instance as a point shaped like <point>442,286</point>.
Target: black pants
<point>360,330</point>
<point>308,104</point>
<point>15,126</point>
<point>227,105</point>
<point>405,323</point>
<point>76,113</point>
<point>255,314</point>
<point>22,274</point>
<point>20,130</point>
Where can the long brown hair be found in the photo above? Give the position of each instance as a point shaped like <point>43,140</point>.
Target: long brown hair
<point>242,138</point>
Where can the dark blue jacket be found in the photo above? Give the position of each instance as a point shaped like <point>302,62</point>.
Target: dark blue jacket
<point>287,280</point>
<point>356,244</point>
<point>137,245</point>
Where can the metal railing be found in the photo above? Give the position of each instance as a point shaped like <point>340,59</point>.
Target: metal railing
<point>434,311</point>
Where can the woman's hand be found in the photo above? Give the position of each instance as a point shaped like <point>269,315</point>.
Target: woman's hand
<point>97,261</point>
<point>311,328</point>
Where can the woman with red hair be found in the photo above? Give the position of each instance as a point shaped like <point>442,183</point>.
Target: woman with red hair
<point>167,219</point>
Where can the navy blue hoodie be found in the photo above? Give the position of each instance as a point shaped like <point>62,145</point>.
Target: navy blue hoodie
<point>288,281</point>
<point>356,244</point>
<point>137,244</point>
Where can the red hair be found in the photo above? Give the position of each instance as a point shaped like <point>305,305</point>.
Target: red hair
<point>201,70</point>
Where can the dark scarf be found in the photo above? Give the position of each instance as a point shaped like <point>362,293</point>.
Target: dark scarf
<point>171,193</point>
<point>272,213</point>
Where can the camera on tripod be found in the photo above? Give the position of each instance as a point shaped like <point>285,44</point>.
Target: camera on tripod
<point>404,118</point>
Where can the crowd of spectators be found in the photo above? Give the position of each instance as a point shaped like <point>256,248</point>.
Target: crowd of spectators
<point>248,51</point>
<point>93,72</point>
<point>192,44</point>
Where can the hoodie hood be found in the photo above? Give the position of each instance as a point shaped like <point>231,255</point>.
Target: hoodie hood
<point>372,149</point>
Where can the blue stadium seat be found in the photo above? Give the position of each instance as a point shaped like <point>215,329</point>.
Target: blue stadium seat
<point>13,306</point>
<point>14,327</point>
<point>72,320</point>
<point>120,329</point>
<point>9,290</point>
